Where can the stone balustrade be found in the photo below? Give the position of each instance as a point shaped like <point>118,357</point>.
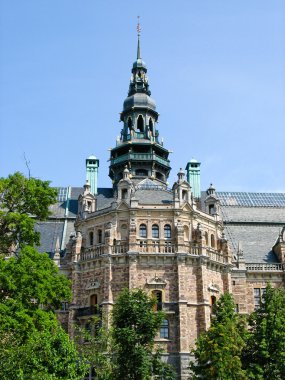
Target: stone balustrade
<point>265,267</point>
<point>142,246</point>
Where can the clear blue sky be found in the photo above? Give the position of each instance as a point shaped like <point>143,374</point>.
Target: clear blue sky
<point>216,70</point>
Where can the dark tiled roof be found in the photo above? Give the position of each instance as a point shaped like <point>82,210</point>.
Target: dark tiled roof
<point>105,197</point>
<point>256,241</point>
<point>254,220</point>
<point>50,231</point>
<point>254,214</point>
<point>154,196</point>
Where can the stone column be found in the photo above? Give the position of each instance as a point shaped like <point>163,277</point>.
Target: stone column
<point>132,258</point>
<point>107,303</point>
<point>183,326</point>
<point>203,308</point>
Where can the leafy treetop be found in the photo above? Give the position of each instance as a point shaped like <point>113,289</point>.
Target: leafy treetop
<point>22,201</point>
<point>218,350</point>
<point>264,354</point>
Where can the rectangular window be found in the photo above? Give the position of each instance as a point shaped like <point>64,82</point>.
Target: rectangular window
<point>258,293</point>
<point>64,306</point>
<point>164,329</point>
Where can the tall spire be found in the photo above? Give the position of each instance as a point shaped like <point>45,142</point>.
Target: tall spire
<point>139,80</point>
<point>139,33</point>
<point>139,147</point>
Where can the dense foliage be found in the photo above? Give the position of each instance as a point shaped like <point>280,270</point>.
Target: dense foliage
<point>218,350</point>
<point>264,355</point>
<point>32,344</point>
<point>95,344</point>
<point>20,199</point>
<point>135,325</point>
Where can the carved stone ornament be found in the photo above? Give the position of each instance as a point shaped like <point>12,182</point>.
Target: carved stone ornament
<point>156,281</point>
<point>92,284</point>
<point>214,288</point>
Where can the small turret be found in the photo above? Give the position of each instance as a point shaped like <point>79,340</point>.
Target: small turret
<point>125,186</point>
<point>193,177</point>
<point>86,201</point>
<point>212,201</point>
<point>181,189</point>
<point>92,165</point>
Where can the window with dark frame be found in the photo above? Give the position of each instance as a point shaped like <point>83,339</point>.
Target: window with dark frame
<point>258,294</point>
<point>167,231</point>
<point>164,329</point>
<point>91,238</point>
<point>155,231</point>
<point>143,231</point>
<point>100,235</point>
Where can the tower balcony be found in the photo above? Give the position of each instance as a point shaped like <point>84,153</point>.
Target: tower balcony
<point>140,157</point>
<point>153,247</point>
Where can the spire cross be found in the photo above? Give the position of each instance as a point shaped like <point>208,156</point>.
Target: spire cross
<point>139,26</point>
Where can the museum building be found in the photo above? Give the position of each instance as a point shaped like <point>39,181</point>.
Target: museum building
<point>180,244</point>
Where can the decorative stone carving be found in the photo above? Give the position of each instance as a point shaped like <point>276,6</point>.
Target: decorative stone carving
<point>156,282</point>
<point>92,284</point>
<point>214,288</point>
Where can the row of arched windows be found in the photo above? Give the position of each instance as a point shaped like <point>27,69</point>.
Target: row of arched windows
<point>212,240</point>
<point>99,237</point>
<point>155,231</point>
<point>140,124</point>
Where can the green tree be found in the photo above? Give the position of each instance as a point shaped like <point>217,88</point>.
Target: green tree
<point>46,355</point>
<point>96,346</point>
<point>218,350</point>
<point>264,354</point>
<point>22,201</point>
<point>32,344</point>
<point>135,325</point>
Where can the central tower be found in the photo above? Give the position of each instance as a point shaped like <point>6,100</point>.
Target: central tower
<point>139,147</point>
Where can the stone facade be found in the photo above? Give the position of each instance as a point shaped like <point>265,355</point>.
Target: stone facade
<point>187,268</point>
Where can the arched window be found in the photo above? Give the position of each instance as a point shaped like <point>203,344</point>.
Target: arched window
<point>184,195</point>
<point>167,231</point>
<point>155,231</point>
<point>143,231</point>
<point>140,124</point>
<point>206,238</point>
<point>164,329</point>
<point>151,125</point>
<point>91,238</point>
<point>212,241</point>
<point>130,124</point>
<point>157,294</point>
<point>100,237</point>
